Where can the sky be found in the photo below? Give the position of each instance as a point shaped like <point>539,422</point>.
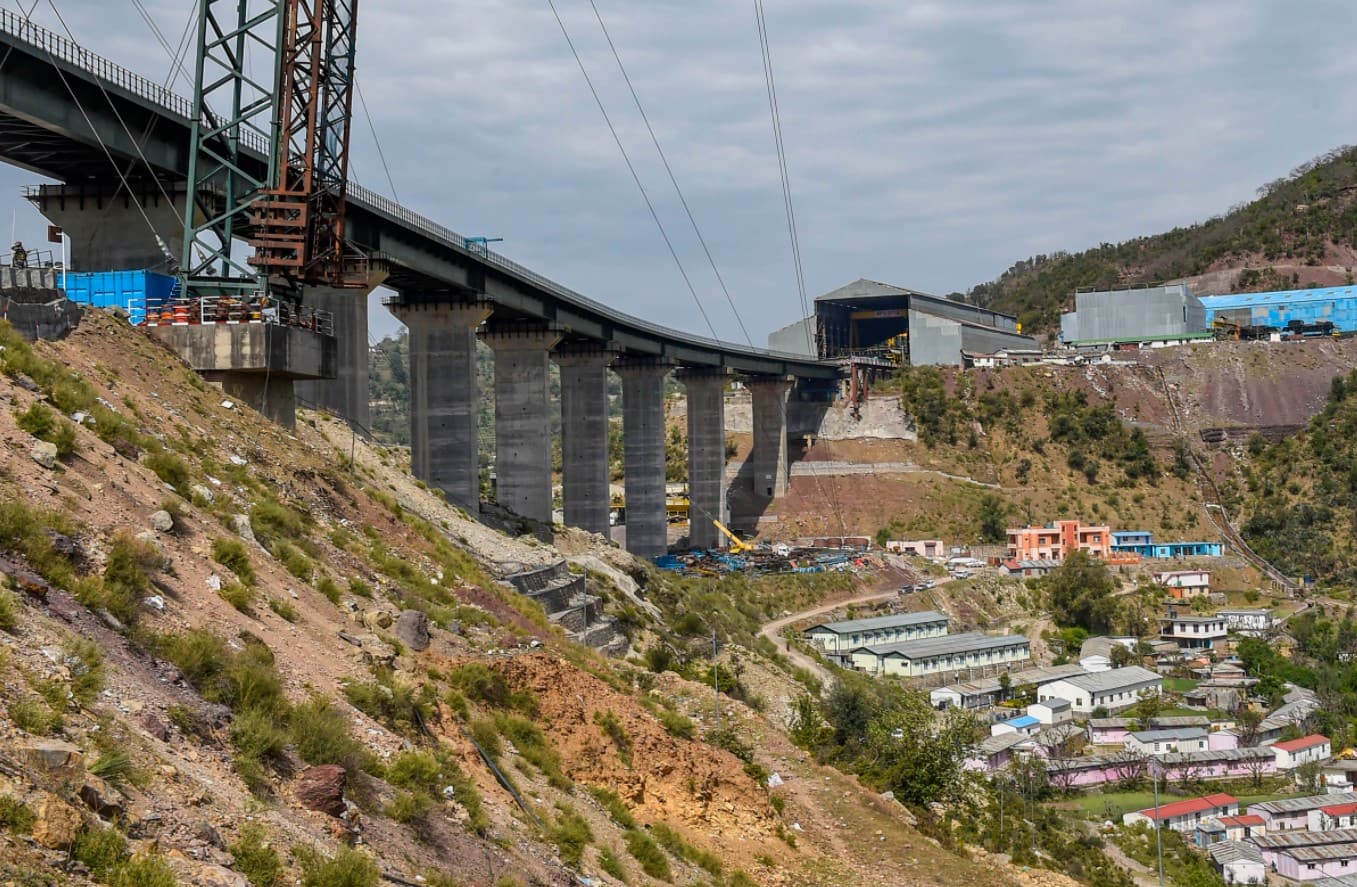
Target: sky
<point>929,145</point>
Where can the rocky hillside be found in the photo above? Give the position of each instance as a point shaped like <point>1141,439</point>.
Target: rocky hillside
<point>1301,231</point>
<point>233,656</point>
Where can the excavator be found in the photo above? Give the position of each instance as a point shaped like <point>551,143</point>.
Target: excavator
<point>737,545</point>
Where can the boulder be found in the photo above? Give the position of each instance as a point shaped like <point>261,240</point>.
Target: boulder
<point>321,789</point>
<point>413,629</point>
<point>198,491</point>
<point>155,726</point>
<point>45,454</point>
<point>51,760</point>
<point>375,619</point>
<point>102,798</point>
<point>219,876</point>
<point>55,823</point>
<point>240,523</point>
<point>162,521</point>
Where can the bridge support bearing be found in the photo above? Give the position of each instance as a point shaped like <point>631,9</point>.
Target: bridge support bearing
<point>522,426</point>
<point>108,233</point>
<point>772,474</point>
<point>347,394</point>
<point>443,396</point>
<point>643,454</point>
<point>584,435</point>
<point>706,454</point>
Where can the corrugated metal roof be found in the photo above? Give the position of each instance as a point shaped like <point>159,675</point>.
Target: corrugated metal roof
<point>1169,733</point>
<point>897,620</point>
<point>1301,805</point>
<point>1234,851</point>
<point>1215,756</point>
<point>1044,674</point>
<point>927,648</point>
<point>1114,679</point>
<point>1288,840</point>
<point>1323,852</point>
<point>1249,300</point>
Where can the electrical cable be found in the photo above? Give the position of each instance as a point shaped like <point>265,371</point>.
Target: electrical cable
<point>674,181</point>
<point>774,110</point>
<point>635,177</point>
<point>381,155</point>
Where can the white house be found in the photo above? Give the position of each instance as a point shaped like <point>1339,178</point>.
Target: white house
<point>1338,775</point>
<point>1250,622</point>
<point>1184,584</point>
<point>1052,711</point>
<point>1238,862</point>
<point>1113,690</point>
<point>841,637</point>
<point>1295,752</point>
<point>1170,740</point>
<point>1193,632</point>
<point>1332,817</point>
<point>1184,816</point>
<point>1026,725</point>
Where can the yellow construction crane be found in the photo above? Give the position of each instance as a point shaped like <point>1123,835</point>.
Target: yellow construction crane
<point>737,545</point>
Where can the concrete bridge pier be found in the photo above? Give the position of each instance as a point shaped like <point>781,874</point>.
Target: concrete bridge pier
<point>706,454</point>
<point>522,425</point>
<point>107,224</point>
<point>772,474</point>
<point>643,454</point>
<point>346,395</point>
<point>443,395</point>
<point>584,435</point>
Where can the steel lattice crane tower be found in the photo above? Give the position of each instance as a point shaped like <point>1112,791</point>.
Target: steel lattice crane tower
<point>272,77</point>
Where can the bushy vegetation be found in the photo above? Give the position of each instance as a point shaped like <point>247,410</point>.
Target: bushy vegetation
<point>347,868</point>
<point>646,852</point>
<point>39,421</point>
<point>255,858</point>
<point>1079,592</point>
<point>232,555</point>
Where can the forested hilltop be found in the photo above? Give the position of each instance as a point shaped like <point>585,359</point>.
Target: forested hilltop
<point>1300,231</point>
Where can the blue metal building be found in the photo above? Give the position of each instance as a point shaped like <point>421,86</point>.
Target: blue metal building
<point>132,291</point>
<point>1283,309</point>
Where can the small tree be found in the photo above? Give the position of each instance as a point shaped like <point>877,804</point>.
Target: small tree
<point>1080,593</point>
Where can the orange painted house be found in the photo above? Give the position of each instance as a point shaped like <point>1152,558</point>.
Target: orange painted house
<point>1058,539</point>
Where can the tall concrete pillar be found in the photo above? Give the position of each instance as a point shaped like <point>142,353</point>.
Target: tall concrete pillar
<point>443,397</point>
<point>107,225</point>
<point>643,454</point>
<point>272,397</point>
<point>522,425</point>
<point>706,454</point>
<point>771,472</point>
<point>584,435</point>
<point>346,395</point>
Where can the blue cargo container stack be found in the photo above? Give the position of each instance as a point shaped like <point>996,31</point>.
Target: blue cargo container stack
<point>136,292</point>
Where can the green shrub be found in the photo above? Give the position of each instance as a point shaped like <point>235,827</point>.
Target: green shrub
<point>329,588</point>
<point>34,716</point>
<point>482,684</point>
<point>348,868</point>
<point>486,735</point>
<point>272,521</point>
<point>284,609</point>
<point>409,807</point>
<point>677,724</point>
<point>648,854</point>
<point>231,554</point>
<point>126,579</point>
<point>113,767</point>
<point>85,661</point>
<point>144,870</point>
<point>740,878</point>
<point>255,859</point>
<point>414,770</point>
<point>170,469</point>
<point>571,835</point>
<point>359,588</point>
<point>102,850</point>
<point>25,530</point>
<point>293,559</point>
<point>611,865</point>
<point>322,735</point>
<point>241,597</point>
<point>616,807</point>
<point>200,656</point>
<point>9,611</point>
<point>38,420</point>
<point>673,842</point>
<point>614,730</point>
<point>397,704</point>
<point>532,744</point>
<point>15,815</point>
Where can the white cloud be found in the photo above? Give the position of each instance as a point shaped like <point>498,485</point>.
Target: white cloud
<point>930,144</point>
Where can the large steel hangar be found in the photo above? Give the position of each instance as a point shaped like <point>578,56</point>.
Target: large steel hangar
<point>870,318</point>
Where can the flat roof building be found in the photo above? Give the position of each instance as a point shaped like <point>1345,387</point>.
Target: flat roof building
<point>1057,540</point>
<point>955,653</point>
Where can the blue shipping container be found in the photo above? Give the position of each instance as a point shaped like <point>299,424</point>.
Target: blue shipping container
<point>133,291</point>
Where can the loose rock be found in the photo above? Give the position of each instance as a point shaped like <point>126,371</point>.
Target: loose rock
<point>53,760</point>
<point>162,521</point>
<point>45,454</point>
<point>413,629</point>
<point>56,823</point>
<point>322,789</point>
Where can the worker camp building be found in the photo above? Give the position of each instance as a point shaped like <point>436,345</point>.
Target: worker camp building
<point>1113,690</point>
<point>958,653</point>
<point>844,637</point>
<point>870,319</point>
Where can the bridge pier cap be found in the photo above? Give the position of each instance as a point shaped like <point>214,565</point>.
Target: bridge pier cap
<point>584,433</point>
<point>522,424</point>
<point>107,224</point>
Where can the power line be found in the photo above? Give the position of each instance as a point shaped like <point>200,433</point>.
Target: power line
<point>774,111</point>
<point>674,181</point>
<point>381,155</point>
<point>636,178</point>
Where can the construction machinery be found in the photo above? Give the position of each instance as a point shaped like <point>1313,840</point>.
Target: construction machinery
<point>737,545</point>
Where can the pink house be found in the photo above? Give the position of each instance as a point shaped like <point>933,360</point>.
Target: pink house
<point>1230,763</point>
<point>1274,844</point>
<point>1312,863</point>
<point>1109,731</point>
<point>1292,814</point>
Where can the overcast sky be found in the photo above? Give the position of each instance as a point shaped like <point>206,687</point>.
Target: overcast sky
<point>930,144</point>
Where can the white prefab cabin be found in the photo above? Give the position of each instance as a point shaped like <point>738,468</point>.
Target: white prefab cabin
<point>841,637</point>
<point>952,653</point>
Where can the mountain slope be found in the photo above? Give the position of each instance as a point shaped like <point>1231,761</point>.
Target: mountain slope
<point>1301,231</point>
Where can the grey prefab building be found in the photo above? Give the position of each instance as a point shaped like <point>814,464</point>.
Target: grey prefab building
<point>954,653</point>
<point>842,637</point>
<point>1150,314</point>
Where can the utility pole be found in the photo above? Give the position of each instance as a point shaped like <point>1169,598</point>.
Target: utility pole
<point>715,680</point>
<point>1158,836</point>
